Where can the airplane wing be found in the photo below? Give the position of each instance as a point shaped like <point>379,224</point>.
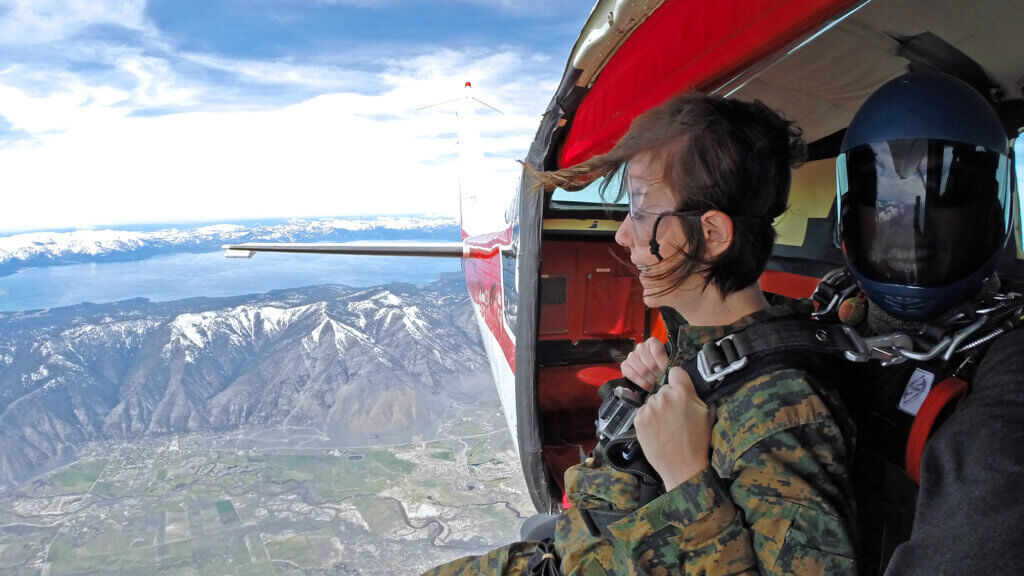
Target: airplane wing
<point>418,249</point>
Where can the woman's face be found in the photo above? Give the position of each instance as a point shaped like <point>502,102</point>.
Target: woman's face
<point>650,197</point>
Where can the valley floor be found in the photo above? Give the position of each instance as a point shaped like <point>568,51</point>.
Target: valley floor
<point>269,503</point>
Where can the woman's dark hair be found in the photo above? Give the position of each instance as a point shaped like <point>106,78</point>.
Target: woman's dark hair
<point>718,154</point>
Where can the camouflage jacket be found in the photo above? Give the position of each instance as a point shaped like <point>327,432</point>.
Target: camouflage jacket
<point>776,499</point>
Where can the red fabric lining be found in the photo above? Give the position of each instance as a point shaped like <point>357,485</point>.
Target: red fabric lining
<point>788,284</point>
<point>598,375</point>
<point>685,44</point>
<point>608,301</point>
<point>603,300</point>
<point>948,391</point>
<point>568,403</point>
<point>603,296</point>
<point>569,388</point>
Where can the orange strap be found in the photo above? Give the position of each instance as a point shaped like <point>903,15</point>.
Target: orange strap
<point>658,329</point>
<point>951,389</point>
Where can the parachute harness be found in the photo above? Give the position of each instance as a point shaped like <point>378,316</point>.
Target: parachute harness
<point>980,322</point>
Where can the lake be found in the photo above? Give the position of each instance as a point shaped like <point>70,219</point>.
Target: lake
<point>178,276</point>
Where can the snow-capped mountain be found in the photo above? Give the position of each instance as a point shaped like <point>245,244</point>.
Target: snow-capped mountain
<point>382,363</point>
<point>50,248</point>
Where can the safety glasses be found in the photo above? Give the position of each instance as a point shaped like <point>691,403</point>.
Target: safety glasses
<point>644,212</point>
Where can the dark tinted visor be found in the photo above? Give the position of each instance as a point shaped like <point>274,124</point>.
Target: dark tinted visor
<point>922,212</point>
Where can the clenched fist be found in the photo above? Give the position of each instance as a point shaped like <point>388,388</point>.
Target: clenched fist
<point>645,365</point>
<point>674,430</point>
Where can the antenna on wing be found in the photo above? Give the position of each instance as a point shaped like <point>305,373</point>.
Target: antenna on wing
<point>467,96</point>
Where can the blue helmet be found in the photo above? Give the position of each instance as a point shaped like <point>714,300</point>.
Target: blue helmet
<point>924,180</point>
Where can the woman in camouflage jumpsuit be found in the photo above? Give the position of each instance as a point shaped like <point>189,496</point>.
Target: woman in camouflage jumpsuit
<point>758,484</point>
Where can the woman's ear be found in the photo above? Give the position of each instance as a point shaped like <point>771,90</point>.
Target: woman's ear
<point>717,229</point>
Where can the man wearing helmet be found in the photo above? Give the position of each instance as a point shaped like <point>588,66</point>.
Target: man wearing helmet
<point>925,188</point>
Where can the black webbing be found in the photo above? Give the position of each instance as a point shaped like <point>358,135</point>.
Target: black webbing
<point>764,344</point>
<point>544,561</point>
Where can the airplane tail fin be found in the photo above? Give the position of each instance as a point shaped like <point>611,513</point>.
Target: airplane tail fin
<point>471,156</point>
<point>472,175</point>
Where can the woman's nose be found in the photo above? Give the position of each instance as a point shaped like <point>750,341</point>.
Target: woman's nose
<point>624,235</point>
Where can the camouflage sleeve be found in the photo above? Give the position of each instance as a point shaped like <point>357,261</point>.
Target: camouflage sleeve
<point>697,524</point>
<point>785,506</point>
<point>786,461</point>
<point>508,560</point>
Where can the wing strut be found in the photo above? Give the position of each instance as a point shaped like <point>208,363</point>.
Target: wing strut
<point>420,250</point>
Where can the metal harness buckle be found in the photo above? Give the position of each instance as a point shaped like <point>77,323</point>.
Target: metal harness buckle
<point>898,347</point>
<point>835,287</point>
<point>887,347</point>
<point>713,372</point>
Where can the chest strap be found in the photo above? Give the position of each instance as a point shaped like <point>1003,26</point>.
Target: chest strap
<point>947,394</point>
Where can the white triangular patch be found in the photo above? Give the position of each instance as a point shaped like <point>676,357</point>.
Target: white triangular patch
<point>918,387</point>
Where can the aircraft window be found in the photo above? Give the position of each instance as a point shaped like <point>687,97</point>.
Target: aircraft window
<point>596,195</point>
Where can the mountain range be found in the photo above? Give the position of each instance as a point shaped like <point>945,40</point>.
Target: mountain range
<point>34,249</point>
<point>373,365</point>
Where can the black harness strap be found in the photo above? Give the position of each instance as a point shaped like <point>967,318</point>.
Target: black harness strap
<point>723,365</point>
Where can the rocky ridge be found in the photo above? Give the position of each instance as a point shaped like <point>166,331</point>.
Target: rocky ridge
<point>364,365</point>
<point>34,249</point>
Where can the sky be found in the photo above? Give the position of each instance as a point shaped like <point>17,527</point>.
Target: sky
<point>116,112</point>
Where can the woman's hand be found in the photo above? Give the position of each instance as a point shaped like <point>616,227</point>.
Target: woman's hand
<point>674,430</point>
<point>645,365</point>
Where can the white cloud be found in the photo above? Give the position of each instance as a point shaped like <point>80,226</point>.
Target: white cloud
<point>508,5</point>
<point>157,84</point>
<point>75,103</point>
<point>516,5</point>
<point>283,72</point>
<point>90,162</point>
<point>70,100</point>
<point>39,21</point>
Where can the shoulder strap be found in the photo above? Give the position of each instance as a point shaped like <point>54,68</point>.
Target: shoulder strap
<point>835,287</point>
<point>723,365</point>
